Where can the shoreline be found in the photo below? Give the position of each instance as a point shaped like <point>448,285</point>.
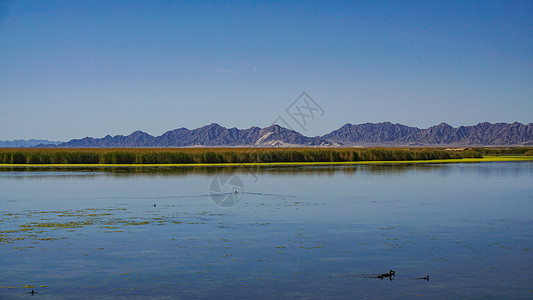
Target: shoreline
<point>488,158</point>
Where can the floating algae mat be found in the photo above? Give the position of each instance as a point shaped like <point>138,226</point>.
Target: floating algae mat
<point>48,225</point>
<point>290,232</point>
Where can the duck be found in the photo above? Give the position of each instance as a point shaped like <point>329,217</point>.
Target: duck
<point>426,278</point>
<point>387,275</point>
<point>155,205</point>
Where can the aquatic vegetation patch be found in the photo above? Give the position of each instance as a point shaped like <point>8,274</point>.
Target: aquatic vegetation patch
<point>136,223</point>
<point>143,156</point>
<point>528,151</point>
<point>56,225</point>
<point>49,222</point>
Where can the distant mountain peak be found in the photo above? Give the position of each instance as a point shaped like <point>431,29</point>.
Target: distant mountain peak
<point>275,127</point>
<point>443,125</point>
<point>138,132</point>
<point>213,125</point>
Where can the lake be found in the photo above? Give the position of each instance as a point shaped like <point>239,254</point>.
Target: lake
<point>269,232</point>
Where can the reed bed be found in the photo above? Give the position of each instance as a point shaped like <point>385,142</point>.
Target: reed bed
<point>220,155</point>
<point>528,151</point>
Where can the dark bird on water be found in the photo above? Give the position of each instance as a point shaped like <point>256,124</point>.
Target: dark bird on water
<point>32,292</point>
<point>387,275</point>
<point>426,278</point>
<point>155,205</point>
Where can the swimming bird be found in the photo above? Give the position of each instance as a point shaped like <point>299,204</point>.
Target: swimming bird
<point>385,275</point>
<point>425,278</point>
<point>155,205</point>
<point>32,292</point>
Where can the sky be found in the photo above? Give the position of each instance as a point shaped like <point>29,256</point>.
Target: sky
<point>70,69</point>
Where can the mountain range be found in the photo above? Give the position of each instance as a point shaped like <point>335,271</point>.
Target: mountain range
<point>387,134</point>
<point>26,143</point>
<point>367,134</point>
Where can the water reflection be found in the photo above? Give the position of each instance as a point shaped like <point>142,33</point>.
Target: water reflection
<point>480,169</point>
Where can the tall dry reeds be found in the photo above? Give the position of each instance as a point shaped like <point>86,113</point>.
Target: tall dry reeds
<point>221,155</point>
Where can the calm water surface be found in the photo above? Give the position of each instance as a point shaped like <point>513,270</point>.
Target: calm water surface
<point>297,233</point>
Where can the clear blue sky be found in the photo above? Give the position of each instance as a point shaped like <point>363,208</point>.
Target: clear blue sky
<point>70,70</point>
